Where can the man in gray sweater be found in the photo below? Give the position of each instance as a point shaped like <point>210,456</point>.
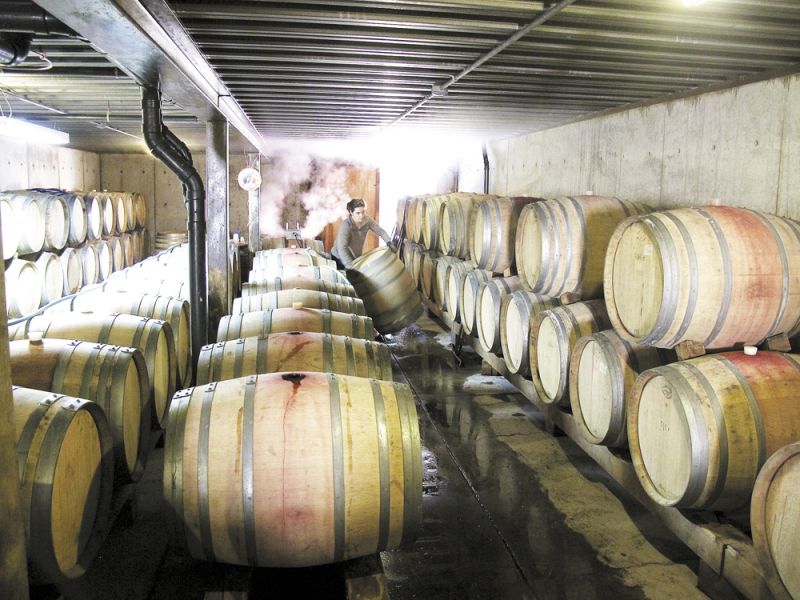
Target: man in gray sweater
<point>352,233</point>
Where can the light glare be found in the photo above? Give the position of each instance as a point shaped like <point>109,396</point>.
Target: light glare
<point>30,132</point>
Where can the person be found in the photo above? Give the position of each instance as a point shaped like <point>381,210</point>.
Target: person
<point>353,231</point>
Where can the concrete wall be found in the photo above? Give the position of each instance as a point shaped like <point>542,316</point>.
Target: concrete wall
<point>24,165</point>
<point>738,146</point>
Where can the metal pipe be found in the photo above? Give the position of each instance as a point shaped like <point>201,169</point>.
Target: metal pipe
<point>485,170</point>
<point>14,48</point>
<point>25,17</point>
<point>161,142</point>
<point>545,15</point>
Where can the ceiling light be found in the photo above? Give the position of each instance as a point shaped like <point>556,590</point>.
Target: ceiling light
<point>29,132</point>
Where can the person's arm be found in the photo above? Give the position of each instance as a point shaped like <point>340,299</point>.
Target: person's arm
<point>373,225</point>
<point>343,250</point>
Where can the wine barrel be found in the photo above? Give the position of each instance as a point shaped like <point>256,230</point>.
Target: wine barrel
<point>272,243</point>
<point>11,228</point>
<point>297,283</point>
<point>775,521</point>
<point>386,288</point>
<point>554,334</point>
<point>282,320</point>
<point>173,287</point>
<point>402,203</point>
<point>699,430</point>
<point>428,273</point>
<point>66,469</point>
<point>105,259</point>
<point>412,259</point>
<point>138,245</point>
<point>561,244</point>
<point>91,264</point>
<point>170,239</point>
<point>174,311</point>
<point>487,310</point>
<point>51,277</point>
<point>94,216</point>
<point>109,207</point>
<point>77,219</point>
<point>122,210</point>
<point>152,337</point>
<point>439,284</point>
<point>603,368</point>
<point>339,453</point>
<point>429,221</point>
<point>454,218</point>
<point>71,270</point>
<point>468,300</point>
<point>307,298</point>
<point>517,310</point>
<point>139,211</point>
<point>130,212</point>
<point>290,351</point>
<point>117,253</point>
<point>717,275</point>
<point>23,288</point>
<point>297,257</point>
<point>412,223</point>
<point>326,273</point>
<point>112,376</point>
<point>452,291</point>
<point>56,220</point>
<point>29,221</point>
<point>492,232</point>
<point>126,241</point>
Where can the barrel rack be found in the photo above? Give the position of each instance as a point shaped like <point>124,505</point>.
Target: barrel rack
<point>727,556</point>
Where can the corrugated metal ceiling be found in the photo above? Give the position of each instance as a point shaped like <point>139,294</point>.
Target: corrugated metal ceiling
<point>322,69</point>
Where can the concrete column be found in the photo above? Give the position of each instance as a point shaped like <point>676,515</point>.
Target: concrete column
<point>253,207</point>
<point>13,559</point>
<point>219,285</point>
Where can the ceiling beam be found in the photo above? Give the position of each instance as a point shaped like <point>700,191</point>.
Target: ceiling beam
<point>146,40</point>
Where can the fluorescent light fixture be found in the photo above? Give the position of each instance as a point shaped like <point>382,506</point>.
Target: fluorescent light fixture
<point>29,132</point>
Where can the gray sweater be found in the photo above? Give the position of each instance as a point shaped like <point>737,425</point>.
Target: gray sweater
<point>350,239</point>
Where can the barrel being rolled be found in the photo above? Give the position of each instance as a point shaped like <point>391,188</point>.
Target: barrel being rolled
<point>492,232</point>
<point>152,337</point>
<point>716,275</point>
<point>66,472</point>
<point>329,467</point>
<point>699,430</point>
<point>487,315</point>
<point>517,310</point>
<point>603,368</point>
<point>308,298</point>
<point>775,521</point>
<point>112,376</point>
<point>386,288</point>
<point>281,320</point>
<point>561,243</point>
<point>292,351</point>
<point>554,334</point>
<point>296,283</point>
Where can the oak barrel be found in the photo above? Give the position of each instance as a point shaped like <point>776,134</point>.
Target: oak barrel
<point>429,221</point>
<point>105,259</point>
<point>66,470</point>
<point>300,283</point>
<point>77,219</point>
<point>308,298</point>
<point>428,273</point>
<point>139,210</point>
<point>51,277</point>
<point>439,286</point>
<point>561,243</point>
<point>94,216</point>
<point>487,310</point>
<point>112,376</point>
<point>11,228</point>
<point>23,288</point>
<point>91,264</point>
<point>386,288</point>
<point>152,337</point>
<point>268,259</point>
<point>55,214</point>
<point>554,334</point>
<point>326,273</point>
<point>775,521</point>
<point>109,207</point>
<point>603,368</point>
<point>291,351</point>
<point>329,465</point>
<point>454,279</point>
<point>281,320</point>
<point>454,218</point>
<point>468,299</point>
<point>28,220</point>
<point>517,310</point>
<point>71,269</point>
<point>492,232</point>
<point>117,253</point>
<point>716,275</point>
<point>699,430</point>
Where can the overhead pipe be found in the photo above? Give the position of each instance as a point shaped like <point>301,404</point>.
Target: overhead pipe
<point>439,90</point>
<point>14,48</point>
<point>485,170</point>
<point>166,147</point>
<point>23,16</point>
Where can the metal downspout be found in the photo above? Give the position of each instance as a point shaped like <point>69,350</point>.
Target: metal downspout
<point>166,147</point>
<point>485,170</point>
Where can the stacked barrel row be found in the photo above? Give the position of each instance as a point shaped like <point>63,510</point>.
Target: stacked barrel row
<point>303,409</point>
<point>55,242</point>
<point>600,293</point>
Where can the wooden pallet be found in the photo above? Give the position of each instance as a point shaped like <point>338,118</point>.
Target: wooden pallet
<point>727,555</point>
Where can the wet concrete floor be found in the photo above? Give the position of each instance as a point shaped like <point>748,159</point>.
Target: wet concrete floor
<point>510,511</point>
